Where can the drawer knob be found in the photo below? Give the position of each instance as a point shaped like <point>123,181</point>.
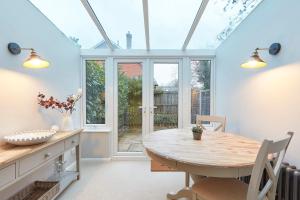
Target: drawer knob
<point>47,155</point>
<point>73,141</point>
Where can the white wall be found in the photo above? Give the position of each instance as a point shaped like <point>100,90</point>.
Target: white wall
<point>96,144</point>
<point>21,22</point>
<point>263,103</point>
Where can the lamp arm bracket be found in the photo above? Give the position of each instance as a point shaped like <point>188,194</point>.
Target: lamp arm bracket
<point>29,49</point>
<point>15,48</point>
<point>273,49</point>
<point>261,49</point>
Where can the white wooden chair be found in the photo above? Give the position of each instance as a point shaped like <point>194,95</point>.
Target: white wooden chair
<point>233,189</point>
<point>221,122</point>
<point>215,120</point>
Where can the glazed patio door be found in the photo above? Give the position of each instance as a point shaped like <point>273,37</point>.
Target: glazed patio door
<point>130,106</point>
<point>146,99</point>
<point>165,93</point>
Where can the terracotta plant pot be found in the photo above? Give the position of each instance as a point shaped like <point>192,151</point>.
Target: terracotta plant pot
<point>197,135</point>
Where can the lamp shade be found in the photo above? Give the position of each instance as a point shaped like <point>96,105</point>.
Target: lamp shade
<point>34,61</point>
<point>254,62</point>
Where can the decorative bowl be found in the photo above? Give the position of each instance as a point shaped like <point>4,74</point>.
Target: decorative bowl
<point>29,137</point>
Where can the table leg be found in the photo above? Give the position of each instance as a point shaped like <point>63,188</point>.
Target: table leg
<point>187,179</point>
<point>185,192</point>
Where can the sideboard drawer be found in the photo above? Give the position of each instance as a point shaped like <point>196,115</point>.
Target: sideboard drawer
<point>7,174</point>
<point>71,142</point>
<point>30,162</point>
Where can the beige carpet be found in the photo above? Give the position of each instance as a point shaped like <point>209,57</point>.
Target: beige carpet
<point>122,180</point>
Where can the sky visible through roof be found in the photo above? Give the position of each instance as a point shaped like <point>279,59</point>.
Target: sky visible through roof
<point>169,21</point>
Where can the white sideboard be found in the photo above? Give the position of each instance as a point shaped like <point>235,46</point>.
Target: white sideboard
<point>17,162</point>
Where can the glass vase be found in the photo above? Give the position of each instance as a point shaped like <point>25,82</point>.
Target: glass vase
<point>67,122</point>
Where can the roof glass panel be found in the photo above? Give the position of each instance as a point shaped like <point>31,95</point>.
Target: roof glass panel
<point>120,16</point>
<point>72,19</point>
<point>170,21</point>
<point>219,20</point>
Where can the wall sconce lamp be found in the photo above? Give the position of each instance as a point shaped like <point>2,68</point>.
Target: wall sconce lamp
<point>34,61</point>
<point>256,62</point>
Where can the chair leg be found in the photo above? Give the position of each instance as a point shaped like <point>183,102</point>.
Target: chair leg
<point>271,195</point>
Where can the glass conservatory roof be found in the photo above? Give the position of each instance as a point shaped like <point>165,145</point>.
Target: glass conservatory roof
<point>153,24</point>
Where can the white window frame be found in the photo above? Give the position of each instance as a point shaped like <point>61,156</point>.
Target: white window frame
<point>178,61</point>
<point>148,56</point>
<point>212,87</point>
<point>95,127</point>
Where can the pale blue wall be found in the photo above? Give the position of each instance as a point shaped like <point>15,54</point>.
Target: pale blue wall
<point>263,103</point>
<point>21,22</point>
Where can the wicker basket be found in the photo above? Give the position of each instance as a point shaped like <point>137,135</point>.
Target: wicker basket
<point>39,190</point>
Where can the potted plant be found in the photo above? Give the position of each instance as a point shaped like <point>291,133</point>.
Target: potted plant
<point>197,132</point>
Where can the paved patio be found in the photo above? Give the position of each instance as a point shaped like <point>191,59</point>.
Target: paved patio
<point>131,141</point>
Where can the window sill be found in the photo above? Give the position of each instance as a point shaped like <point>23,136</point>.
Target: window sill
<point>97,130</point>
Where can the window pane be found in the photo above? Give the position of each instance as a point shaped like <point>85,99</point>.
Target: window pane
<point>170,21</point>
<point>120,16</point>
<point>72,19</point>
<point>220,19</point>
<point>130,96</point>
<point>95,92</point>
<point>165,96</point>
<point>200,86</point>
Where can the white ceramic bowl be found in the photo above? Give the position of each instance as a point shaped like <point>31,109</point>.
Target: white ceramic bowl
<point>29,137</point>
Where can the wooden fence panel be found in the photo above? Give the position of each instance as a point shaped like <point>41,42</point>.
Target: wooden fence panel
<point>166,113</point>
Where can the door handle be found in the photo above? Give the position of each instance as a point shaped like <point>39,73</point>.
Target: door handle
<point>152,109</point>
<point>143,109</point>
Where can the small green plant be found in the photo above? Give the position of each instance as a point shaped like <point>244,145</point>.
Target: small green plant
<point>197,132</point>
<point>197,129</point>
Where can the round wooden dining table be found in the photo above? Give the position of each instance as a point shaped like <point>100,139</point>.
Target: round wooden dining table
<point>217,154</point>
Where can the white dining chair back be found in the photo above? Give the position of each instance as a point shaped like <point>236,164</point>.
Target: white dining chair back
<point>218,120</point>
<point>269,148</point>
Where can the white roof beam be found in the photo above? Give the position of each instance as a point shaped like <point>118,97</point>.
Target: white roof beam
<point>195,23</point>
<point>94,17</point>
<point>146,24</point>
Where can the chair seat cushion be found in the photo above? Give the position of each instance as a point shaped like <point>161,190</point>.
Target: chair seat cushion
<point>220,189</point>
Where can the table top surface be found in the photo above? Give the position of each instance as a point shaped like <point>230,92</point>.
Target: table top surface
<point>9,152</point>
<point>215,149</point>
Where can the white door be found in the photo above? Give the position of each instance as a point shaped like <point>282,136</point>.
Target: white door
<point>165,94</point>
<point>130,106</point>
<point>146,99</point>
